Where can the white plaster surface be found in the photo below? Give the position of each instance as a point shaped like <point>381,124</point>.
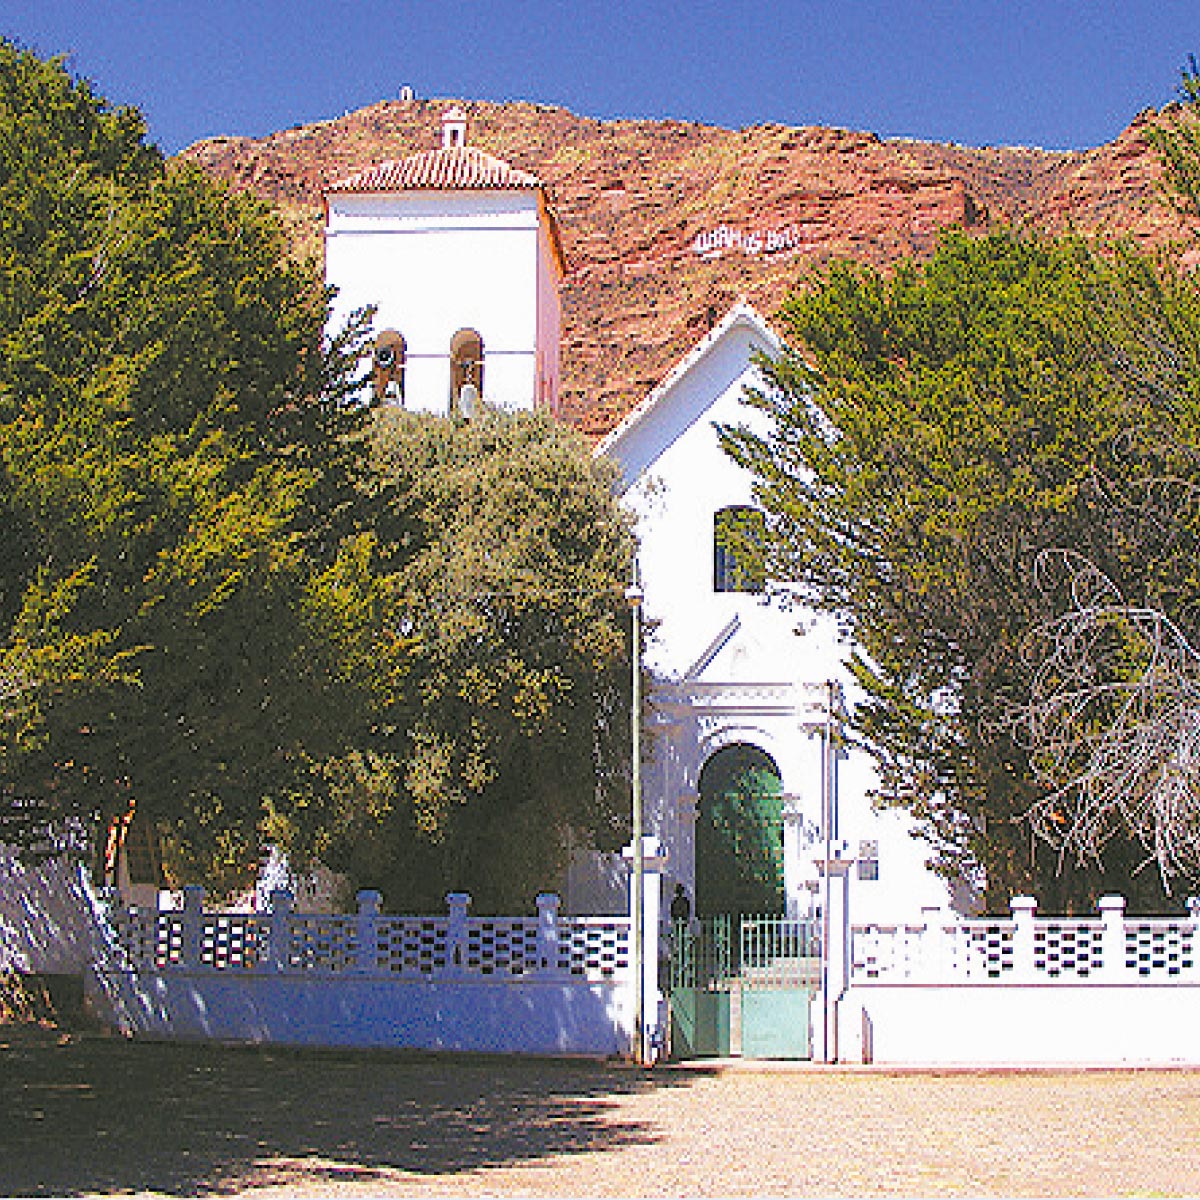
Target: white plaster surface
<point>437,262</point>
<point>1057,1024</point>
<point>528,1017</point>
<point>48,921</point>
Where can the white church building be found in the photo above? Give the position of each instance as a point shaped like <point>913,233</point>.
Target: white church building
<point>756,807</point>
<point>745,783</point>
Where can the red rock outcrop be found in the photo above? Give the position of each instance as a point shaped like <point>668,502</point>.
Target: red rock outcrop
<point>665,223</point>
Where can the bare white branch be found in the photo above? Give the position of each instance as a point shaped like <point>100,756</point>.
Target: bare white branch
<point>1112,723</point>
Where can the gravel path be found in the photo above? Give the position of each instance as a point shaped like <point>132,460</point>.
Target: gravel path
<point>98,1116</point>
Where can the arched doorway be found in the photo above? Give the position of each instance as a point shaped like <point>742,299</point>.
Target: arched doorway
<point>739,834</point>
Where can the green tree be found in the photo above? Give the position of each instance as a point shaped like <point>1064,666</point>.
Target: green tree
<point>1176,137</point>
<point>186,590</point>
<point>933,435</point>
<point>1112,708</point>
<point>513,738</point>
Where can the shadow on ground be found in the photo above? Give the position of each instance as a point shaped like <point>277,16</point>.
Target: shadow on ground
<point>91,1114</point>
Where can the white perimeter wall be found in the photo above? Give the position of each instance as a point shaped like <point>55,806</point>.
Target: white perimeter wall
<point>1057,1024</point>
<point>48,921</point>
<point>519,985</point>
<point>1022,990</point>
<point>534,1017</point>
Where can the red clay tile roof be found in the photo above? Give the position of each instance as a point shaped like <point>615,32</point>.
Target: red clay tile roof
<point>457,168</point>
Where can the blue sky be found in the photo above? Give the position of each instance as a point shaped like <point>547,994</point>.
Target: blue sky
<point>1054,73</point>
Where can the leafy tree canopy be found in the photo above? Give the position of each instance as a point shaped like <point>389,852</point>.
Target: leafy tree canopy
<point>231,595</point>
<point>185,591</point>
<point>1112,710</point>
<point>512,556</point>
<point>933,435</point>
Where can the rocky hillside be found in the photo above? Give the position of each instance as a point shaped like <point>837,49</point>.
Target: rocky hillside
<point>665,223</point>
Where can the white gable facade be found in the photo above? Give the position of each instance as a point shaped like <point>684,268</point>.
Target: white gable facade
<point>448,241</point>
<point>741,670</point>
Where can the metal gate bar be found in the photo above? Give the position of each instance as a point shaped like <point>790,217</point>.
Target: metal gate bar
<point>743,986</point>
<point>779,952</point>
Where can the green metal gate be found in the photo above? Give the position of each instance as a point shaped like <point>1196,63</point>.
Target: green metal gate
<point>743,986</point>
<point>701,975</point>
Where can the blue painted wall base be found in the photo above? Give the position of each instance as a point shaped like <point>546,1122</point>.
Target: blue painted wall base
<point>548,1017</point>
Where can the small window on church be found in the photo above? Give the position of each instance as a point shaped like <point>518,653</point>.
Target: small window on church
<point>387,367</point>
<point>868,860</point>
<point>738,538</point>
<point>466,373</point>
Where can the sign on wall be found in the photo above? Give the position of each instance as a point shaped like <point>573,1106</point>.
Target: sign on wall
<point>712,243</point>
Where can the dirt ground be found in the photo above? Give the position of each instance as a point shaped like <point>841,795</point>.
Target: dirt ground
<point>86,1115</point>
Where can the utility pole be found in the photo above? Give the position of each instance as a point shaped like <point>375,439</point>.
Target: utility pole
<point>633,597</point>
<point>827,830</point>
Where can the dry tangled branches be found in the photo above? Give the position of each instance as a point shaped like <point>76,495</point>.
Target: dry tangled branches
<point>1112,723</point>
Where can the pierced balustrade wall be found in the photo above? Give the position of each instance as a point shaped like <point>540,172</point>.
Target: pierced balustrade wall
<point>581,949</point>
<point>1026,949</point>
<point>539,984</point>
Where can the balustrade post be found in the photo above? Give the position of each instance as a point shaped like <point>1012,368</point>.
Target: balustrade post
<point>1112,912</point>
<point>366,933</point>
<point>191,927</point>
<point>281,930</point>
<point>547,933</point>
<point>456,932</point>
<point>1024,913</point>
<point>931,958</point>
<point>835,950</point>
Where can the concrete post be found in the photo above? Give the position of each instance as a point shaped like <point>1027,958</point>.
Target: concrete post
<point>547,933</point>
<point>1024,912</point>
<point>366,933</point>
<point>456,932</point>
<point>835,951</point>
<point>931,957</point>
<point>654,863</point>
<point>1112,912</point>
<point>280,907</point>
<point>796,897</point>
<point>192,927</point>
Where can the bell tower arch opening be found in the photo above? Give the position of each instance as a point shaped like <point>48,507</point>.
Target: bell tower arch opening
<point>739,833</point>
<point>466,373</point>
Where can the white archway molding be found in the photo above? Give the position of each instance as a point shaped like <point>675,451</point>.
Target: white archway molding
<point>714,740</point>
<point>687,806</point>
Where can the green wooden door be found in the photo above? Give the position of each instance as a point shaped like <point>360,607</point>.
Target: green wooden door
<point>739,834</point>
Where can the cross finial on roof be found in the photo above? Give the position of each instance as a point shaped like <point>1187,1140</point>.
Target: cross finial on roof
<point>454,128</point>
